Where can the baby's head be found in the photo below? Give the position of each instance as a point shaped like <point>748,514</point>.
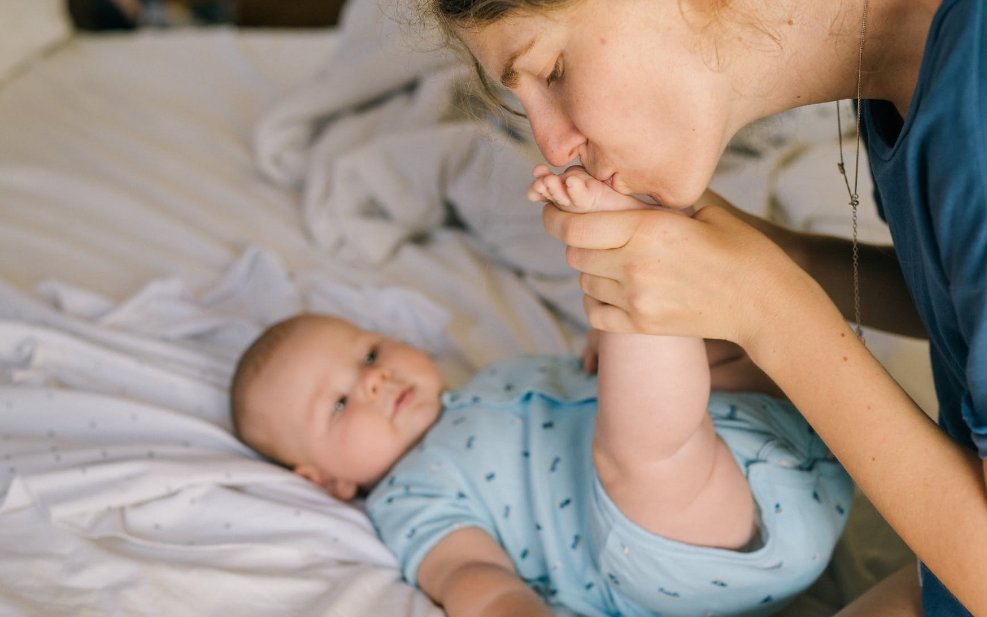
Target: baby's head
<point>337,404</point>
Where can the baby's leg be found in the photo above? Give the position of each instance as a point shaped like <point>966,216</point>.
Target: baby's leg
<point>575,190</point>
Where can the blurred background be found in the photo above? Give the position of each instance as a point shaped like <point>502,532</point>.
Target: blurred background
<point>132,14</point>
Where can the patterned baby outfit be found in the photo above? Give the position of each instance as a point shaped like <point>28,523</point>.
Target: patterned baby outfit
<point>511,454</point>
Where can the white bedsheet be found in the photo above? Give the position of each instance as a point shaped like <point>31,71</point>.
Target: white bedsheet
<point>122,475</point>
<point>141,248</point>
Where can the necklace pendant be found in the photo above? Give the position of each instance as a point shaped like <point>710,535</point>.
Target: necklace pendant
<point>841,168</point>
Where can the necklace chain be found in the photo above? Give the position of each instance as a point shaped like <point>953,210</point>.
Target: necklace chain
<point>854,197</point>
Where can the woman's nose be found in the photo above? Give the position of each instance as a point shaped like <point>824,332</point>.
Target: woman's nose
<point>556,135</point>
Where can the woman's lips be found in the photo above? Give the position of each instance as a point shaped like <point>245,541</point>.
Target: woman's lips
<point>609,181</point>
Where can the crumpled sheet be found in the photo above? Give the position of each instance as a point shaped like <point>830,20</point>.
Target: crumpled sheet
<point>389,142</point>
<point>120,475</point>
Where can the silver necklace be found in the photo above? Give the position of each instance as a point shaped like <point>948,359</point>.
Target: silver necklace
<point>854,197</point>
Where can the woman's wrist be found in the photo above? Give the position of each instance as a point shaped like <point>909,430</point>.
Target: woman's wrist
<point>799,304</point>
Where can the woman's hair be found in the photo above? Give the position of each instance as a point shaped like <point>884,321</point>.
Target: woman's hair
<point>453,16</point>
<point>469,14</point>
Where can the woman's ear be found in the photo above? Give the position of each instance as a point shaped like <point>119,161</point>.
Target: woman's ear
<point>344,490</point>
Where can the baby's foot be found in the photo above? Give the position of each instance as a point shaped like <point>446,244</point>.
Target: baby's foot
<point>575,190</point>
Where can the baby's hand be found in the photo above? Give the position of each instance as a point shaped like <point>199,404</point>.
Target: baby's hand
<point>574,190</point>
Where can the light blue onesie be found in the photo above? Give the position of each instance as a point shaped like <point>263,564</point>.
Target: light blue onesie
<point>511,454</point>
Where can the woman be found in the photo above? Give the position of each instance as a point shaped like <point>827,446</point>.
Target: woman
<point>648,93</point>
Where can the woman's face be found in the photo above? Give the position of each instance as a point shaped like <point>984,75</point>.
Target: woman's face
<point>622,85</point>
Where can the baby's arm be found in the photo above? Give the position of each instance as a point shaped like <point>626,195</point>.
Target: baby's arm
<point>654,446</point>
<point>469,574</point>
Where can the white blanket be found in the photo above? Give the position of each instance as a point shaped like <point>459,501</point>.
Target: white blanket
<point>384,140</point>
<point>120,473</point>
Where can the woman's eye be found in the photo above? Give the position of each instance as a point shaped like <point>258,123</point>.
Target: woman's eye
<point>371,357</point>
<point>340,405</point>
<point>556,73</point>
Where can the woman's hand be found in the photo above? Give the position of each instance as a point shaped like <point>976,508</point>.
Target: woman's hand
<point>649,271</point>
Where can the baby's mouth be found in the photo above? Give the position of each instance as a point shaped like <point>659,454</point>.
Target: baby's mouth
<point>403,400</point>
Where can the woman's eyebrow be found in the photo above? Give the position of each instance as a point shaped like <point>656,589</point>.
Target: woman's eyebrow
<point>509,76</point>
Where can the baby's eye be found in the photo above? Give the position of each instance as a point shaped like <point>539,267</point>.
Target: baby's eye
<point>371,357</point>
<point>340,405</point>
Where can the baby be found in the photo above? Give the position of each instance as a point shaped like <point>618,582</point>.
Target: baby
<point>634,492</point>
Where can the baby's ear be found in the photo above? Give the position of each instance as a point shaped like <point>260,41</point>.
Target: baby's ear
<point>344,490</point>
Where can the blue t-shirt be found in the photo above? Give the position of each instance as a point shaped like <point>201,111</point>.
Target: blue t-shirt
<point>511,454</point>
<point>930,176</point>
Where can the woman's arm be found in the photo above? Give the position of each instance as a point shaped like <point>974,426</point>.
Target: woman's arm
<point>930,489</point>
<point>714,276</point>
<point>470,575</point>
<point>884,297</point>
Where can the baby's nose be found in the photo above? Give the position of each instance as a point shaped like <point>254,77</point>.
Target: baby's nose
<point>374,379</point>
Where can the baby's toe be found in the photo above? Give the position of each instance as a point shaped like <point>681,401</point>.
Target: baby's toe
<point>557,191</point>
<point>583,197</point>
<point>578,171</point>
<point>541,170</point>
<point>538,192</point>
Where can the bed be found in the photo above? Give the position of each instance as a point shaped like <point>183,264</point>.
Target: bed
<point>164,195</point>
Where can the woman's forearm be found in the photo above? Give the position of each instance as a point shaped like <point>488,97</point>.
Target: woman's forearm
<point>885,301</point>
<point>929,488</point>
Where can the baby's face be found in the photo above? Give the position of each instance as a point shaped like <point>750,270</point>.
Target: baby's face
<point>348,403</point>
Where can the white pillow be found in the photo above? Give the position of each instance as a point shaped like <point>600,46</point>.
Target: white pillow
<point>28,28</point>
